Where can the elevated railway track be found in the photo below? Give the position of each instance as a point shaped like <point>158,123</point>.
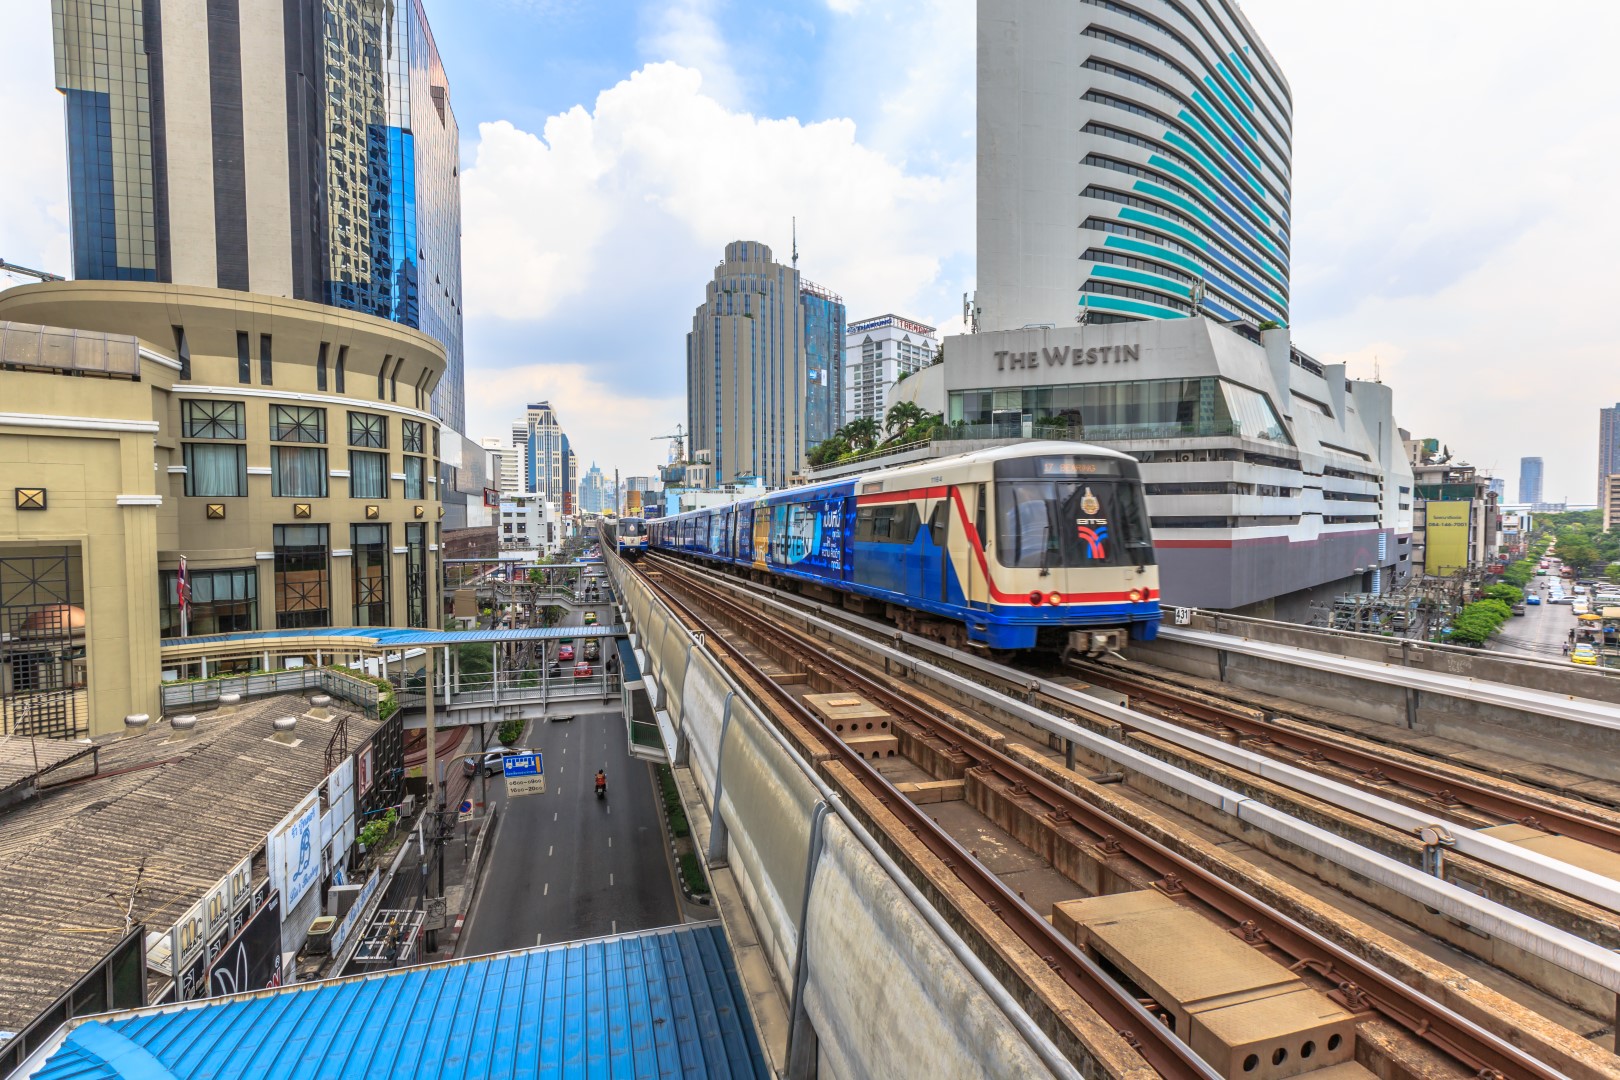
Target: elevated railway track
<point>1067,818</point>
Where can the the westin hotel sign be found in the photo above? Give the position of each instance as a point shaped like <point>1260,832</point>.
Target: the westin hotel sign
<point>1063,355</point>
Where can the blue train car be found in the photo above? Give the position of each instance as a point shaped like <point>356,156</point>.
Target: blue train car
<point>1042,544</point>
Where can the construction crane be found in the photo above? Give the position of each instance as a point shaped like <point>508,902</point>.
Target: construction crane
<point>24,271</point>
<point>679,439</point>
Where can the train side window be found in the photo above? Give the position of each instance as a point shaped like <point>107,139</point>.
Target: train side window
<point>979,518</point>
<point>863,523</point>
<point>937,521</point>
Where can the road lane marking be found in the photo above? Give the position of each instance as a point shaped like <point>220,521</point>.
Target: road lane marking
<point>615,926</point>
<point>550,849</point>
<point>546,889</point>
<point>553,817</point>
<point>610,879</point>
<point>610,841</point>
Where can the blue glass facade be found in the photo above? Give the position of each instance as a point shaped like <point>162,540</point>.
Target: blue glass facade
<point>823,360</point>
<point>374,222</point>
<point>101,61</point>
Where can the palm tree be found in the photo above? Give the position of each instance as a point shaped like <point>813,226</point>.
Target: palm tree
<point>861,434</point>
<point>903,416</point>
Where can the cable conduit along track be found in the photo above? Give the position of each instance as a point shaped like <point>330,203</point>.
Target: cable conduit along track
<point>1438,786</point>
<point>1159,1047</point>
<point>1449,1032</point>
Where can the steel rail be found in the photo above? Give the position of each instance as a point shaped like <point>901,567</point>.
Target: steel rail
<point>1361,985</point>
<point>1168,1055</point>
<point>1442,790</point>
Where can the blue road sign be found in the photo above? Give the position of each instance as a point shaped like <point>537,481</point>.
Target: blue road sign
<point>530,763</point>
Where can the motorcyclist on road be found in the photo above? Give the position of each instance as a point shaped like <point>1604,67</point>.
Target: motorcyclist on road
<point>601,780</point>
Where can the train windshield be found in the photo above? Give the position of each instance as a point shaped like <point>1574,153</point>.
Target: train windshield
<point>1070,512</point>
<point>632,529</point>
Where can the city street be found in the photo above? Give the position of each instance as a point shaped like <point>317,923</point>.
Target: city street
<point>1541,631</point>
<point>566,865</point>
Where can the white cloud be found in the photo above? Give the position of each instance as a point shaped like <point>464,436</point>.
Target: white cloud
<point>612,426</point>
<point>1450,216</point>
<point>591,245</point>
<point>686,32</point>
<point>33,183</point>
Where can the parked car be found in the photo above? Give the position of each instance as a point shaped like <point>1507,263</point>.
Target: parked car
<point>492,761</point>
<point>1518,609</point>
<point>565,653</point>
<point>582,670</point>
<point>1584,654</point>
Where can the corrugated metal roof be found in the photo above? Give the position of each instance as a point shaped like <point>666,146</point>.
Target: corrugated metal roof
<point>396,638</point>
<point>665,1004</point>
<point>143,841</point>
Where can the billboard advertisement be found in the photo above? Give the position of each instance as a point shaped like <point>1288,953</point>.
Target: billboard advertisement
<point>301,850</point>
<point>1446,539</point>
<point>252,959</point>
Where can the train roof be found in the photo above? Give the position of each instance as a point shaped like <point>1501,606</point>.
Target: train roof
<point>1033,448</point>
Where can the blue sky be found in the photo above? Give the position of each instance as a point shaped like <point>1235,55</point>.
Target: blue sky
<point>1451,222</point>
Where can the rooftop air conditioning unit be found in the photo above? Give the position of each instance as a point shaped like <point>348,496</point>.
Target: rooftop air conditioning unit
<point>1187,456</point>
<point>319,941</point>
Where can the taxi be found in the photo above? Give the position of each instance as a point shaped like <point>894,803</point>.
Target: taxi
<point>1584,654</point>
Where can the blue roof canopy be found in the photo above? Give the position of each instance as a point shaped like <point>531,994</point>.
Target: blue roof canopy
<point>384,637</point>
<point>666,1003</point>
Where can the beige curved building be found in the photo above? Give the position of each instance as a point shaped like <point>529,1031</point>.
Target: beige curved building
<point>284,449</point>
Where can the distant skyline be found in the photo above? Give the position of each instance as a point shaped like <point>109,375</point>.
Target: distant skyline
<point>611,149</point>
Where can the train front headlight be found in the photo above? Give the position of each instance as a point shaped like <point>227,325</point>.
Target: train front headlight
<point>1054,598</point>
<point>1035,598</point>
<point>1135,595</point>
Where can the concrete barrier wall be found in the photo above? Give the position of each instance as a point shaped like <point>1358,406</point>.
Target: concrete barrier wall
<point>1441,659</point>
<point>882,990</point>
<point>767,804</point>
<point>885,995</point>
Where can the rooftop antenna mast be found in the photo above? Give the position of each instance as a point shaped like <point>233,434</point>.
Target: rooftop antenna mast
<point>795,241</point>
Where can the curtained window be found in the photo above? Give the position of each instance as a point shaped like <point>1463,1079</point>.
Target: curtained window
<point>414,486</point>
<point>298,472</point>
<point>216,471</point>
<point>368,475</point>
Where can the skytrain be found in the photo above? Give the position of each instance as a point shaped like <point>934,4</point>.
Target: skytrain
<point>1040,545</point>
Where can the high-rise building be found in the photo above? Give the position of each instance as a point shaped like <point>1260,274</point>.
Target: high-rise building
<point>759,333</point>
<point>1608,451</point>
<point>542,451</point>
<point>823,314</point>
<point>1181,123</point>
<point>1498,486</point>
<point>879,353</point>
<point>594,496</point>
<point>291,148</point>
<point>1530,480</point>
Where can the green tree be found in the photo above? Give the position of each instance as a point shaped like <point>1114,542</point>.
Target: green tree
<point>902,417</point>
<point>861,435</point>
<point>1576,550</point>
<point>1503,592</point>
<point>827,451</point>
<point>1612,572</point>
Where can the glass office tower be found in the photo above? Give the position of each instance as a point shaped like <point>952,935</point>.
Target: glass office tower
<point>823,360</point>
<point>300,148</point>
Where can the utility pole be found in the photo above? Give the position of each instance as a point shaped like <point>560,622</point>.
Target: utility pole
<point>618,510</point>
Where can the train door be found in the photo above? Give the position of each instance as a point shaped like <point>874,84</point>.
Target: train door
<point>938,585</point>
<point>965,539</point>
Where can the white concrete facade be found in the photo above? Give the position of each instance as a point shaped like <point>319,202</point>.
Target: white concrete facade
<point>1267,473</point>
<point>1131,154</point>
<point>877,353</point>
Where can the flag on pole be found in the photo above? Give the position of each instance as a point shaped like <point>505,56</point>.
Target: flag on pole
<point>183,595</point>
